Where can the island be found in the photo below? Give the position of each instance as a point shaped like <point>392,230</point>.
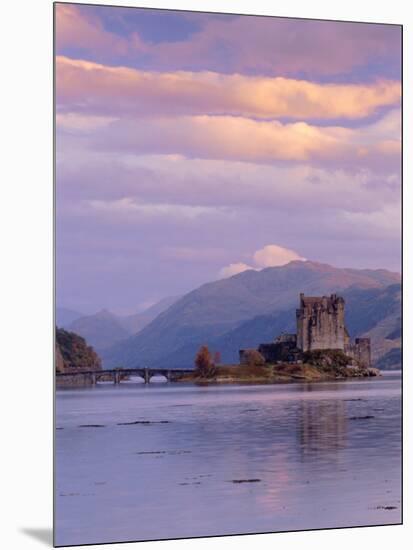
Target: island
<point>321,349</point>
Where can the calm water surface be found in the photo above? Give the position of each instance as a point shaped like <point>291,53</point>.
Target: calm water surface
<point>226,459</point>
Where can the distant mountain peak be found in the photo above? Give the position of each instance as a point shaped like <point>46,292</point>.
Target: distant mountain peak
<point>104,314</point>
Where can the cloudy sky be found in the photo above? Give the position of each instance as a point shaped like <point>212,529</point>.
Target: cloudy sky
<point>193,146</point>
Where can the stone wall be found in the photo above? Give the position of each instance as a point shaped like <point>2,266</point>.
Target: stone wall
<point>285,352</point>
<point>360,351</point>
<point>320,323</point>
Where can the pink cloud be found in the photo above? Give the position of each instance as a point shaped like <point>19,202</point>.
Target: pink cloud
<point>263,45</point>
<point>243,139</point>
<point>95,86</point>
<point>75,29</point>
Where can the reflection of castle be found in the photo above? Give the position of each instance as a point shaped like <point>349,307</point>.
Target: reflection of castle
<point>322,426</point>
<point>320,326</point>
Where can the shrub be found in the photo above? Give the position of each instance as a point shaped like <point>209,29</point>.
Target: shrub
<point>253,357</point>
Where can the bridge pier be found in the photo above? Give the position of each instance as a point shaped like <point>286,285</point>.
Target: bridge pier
<point>146,375</point>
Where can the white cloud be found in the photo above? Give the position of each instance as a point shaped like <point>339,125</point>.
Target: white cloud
<point>82,123</point>
<point>232,185</point>
<point>135,209</point>
<point>273,255</point>
<point>234,269</point>
<point>384,223</point>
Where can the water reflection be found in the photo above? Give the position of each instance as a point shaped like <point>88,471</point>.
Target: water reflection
<point>322,428</point>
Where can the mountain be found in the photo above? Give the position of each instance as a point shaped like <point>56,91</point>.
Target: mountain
<point>392,360</point>
<point>135,323</point>
<point>104,329</point>
<point>101,330</point>
<point>65,316</point>
<point>385,334</point>
<point>367,310</point>
<point>216,312</point>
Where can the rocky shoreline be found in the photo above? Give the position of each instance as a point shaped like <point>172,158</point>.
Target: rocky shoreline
<point>273,374</point>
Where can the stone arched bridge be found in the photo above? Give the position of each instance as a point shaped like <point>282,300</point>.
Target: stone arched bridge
<point>117,375</point>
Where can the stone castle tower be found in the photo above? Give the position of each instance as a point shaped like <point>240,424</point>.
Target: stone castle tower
<point>320,326</point>
<point>320,323</point>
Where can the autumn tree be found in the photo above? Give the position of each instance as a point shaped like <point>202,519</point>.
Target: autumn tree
<point>253,358</point>
<point>204,364</point>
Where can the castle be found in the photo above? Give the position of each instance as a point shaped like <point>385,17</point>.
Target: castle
<point>320,326</point>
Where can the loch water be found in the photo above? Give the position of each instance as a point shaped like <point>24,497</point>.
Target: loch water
<point>165,460</point>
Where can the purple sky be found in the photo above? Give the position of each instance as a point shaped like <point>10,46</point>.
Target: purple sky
<point>193,146</point>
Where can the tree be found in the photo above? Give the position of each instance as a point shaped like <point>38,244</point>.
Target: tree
<point>203,362</point>
<point>253,358</point>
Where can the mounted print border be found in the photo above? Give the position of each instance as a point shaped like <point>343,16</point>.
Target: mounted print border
<point>228,274</point>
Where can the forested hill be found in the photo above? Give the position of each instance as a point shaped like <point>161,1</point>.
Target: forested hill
<point>73,353</point>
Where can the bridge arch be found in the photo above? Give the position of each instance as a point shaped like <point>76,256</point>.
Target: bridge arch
<point>117,375</point>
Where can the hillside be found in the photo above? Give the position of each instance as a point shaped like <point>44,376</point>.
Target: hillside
<point>226,313</point>
<point>385,335</point>
<point>135,323</point>
<point>73,353</point>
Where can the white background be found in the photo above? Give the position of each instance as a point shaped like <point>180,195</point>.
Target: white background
<point>26,232</point>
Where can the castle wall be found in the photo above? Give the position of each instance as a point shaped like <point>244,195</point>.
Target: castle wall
<point>320,323</point>
<point>285,351</point>
<point>360,351</point>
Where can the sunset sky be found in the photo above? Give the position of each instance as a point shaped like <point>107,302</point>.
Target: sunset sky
<point>193,146</point>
